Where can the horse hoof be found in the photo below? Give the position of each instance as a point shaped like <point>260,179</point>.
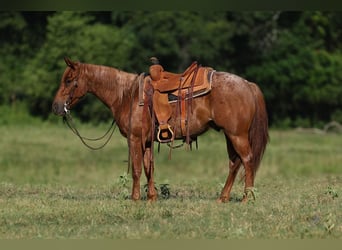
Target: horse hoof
<point>152,199</point>
<point>249,195</point>
<point>222,200</point>
<point>244,200</point>
<point>135,197</point>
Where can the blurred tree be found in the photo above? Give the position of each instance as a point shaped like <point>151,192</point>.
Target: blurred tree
<point>178,37</point>
<point>21,35</point>
<point>254,34</point>
<point>12,51</point>
<point>299,73</point>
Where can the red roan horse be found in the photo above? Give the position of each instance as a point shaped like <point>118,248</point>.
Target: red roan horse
<point>234,105</point>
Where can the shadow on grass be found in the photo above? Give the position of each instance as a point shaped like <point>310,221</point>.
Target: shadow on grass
<point>186,193</point>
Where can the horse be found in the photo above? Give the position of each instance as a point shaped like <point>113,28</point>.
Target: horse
<point>234,106</point>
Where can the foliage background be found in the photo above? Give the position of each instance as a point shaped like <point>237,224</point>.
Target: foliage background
<point>295,56</point>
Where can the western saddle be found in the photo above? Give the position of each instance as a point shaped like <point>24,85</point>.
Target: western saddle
<point>161,88</point>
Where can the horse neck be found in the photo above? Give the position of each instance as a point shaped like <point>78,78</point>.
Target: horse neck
<point>112,86</point>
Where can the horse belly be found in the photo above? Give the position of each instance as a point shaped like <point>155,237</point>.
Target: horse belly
<point>197,117</point>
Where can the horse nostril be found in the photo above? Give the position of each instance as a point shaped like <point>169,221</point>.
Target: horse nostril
<point>55,108</point>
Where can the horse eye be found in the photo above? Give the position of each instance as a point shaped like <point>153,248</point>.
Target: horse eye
<point>68,81</point>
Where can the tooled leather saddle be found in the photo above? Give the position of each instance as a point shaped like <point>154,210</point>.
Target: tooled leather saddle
<point>161,88</point>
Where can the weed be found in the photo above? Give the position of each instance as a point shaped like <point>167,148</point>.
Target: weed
<point>251,194</point>
<point>163,190</point>
<point>329,223</point>
<point>123,182</point>
<point>330,191</point>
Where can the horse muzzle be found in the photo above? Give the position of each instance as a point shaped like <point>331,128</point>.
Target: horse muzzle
<point>59,108</point>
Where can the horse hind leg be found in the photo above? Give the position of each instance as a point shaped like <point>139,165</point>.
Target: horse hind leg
<point>243,149</point>
<point>234,166</point>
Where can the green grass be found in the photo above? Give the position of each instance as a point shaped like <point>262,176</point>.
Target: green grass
<point>51,186</point>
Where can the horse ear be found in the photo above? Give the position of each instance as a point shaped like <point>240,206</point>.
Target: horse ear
<point>70,63</point>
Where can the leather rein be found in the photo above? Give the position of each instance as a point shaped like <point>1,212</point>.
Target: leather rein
<point>67,119</point>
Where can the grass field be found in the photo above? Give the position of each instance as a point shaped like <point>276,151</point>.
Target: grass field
<point>52,187</point>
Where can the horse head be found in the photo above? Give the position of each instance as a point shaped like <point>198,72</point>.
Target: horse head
<point>72,88</point>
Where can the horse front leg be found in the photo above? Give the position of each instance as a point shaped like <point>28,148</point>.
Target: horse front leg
<point>149,170</point>
<point>136,157</point>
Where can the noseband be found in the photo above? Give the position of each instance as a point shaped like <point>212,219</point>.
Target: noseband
<point>71,96</point>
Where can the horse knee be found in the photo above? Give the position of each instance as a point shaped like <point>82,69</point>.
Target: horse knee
<point>136,174</point>
<point>234,165</point>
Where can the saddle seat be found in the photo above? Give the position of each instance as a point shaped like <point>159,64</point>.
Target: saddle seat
<point>177,85</point>
<point>167,81</point>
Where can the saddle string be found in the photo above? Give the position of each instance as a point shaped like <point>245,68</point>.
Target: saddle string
<point>68,120</point>
<point>189,111</point>
<point>178,115</point>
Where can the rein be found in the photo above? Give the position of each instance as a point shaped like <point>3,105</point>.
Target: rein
<point>68,120</point>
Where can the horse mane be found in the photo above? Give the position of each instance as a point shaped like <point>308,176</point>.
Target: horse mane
<point>112,80</point>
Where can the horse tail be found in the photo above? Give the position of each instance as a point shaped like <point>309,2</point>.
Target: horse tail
<point>258,132</point>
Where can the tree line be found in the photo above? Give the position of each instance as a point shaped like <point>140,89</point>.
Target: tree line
<point>294,56</point>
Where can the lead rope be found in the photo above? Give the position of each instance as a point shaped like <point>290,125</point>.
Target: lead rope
<point>68,120</point>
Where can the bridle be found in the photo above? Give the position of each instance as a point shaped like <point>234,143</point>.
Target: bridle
<point>67,118</point>
<point>70,97</point>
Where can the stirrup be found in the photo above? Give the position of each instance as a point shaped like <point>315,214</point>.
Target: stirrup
<point>168,131</point>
